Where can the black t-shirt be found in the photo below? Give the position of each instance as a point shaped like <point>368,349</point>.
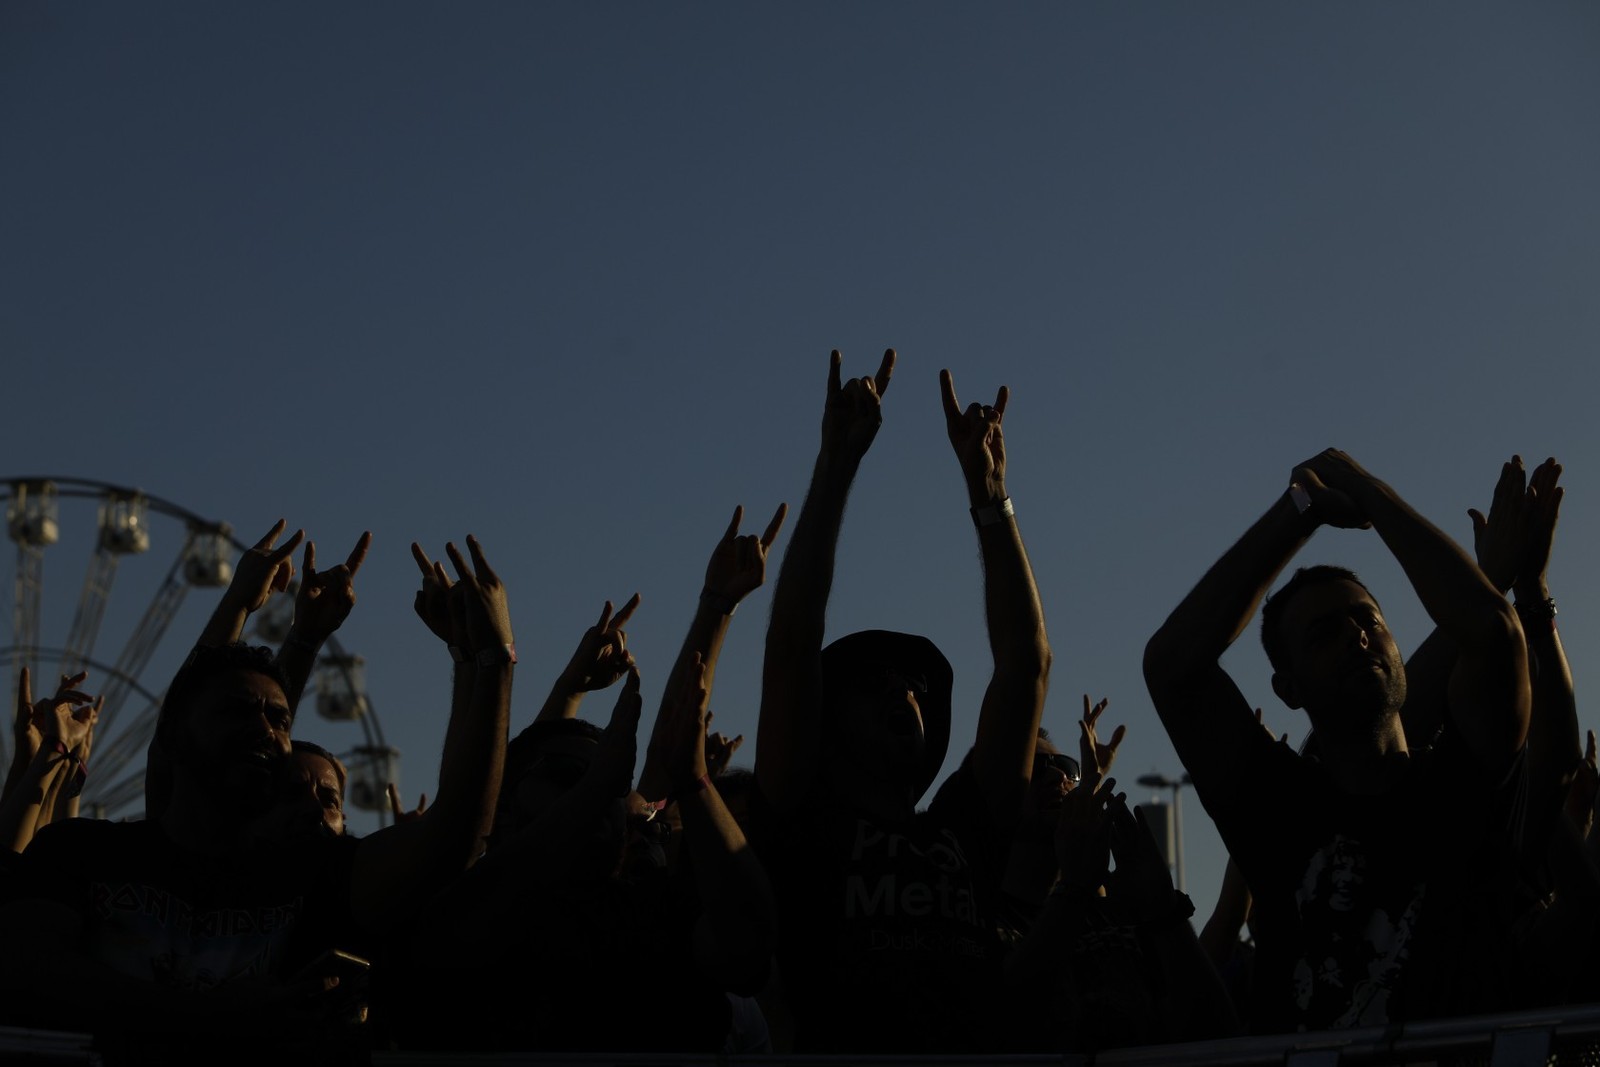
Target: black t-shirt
<point>606,965</point>
<point>1374,909</point>
<point>884,943</point>
<point>158,913</point>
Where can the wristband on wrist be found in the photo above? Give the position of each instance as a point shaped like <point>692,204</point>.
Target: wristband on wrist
<point>699,785</point>
<point>721,602</point>
<point>1536,610</point>
<point>993,514</point>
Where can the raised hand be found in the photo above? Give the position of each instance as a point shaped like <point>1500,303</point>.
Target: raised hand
<point>67,716</point>
<point>739,563</point>
<point>399,812</point>
<point>719,750</point>
<point>979,443</point>
<point>482,599</point>
<point>1097,758</point>
<point>602,655</point>
<point>1331,479</point>
<point>326,597</point>
<point>24,733</point>
<point>1143,879</point>
<point>1540,510</point>
<point>263,569</point>
<point>432,603</point>
<point>1497,538</point>
<point>853,413</point>
<point>1083,835</point>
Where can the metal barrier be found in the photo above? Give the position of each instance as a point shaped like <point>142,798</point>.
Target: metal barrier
<point>1562,1037</point>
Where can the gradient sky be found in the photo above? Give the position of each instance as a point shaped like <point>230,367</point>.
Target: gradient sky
<point>566,276</point>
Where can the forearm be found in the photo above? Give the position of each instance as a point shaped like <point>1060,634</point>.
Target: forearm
<point>788,735</point>
<point>1453,591</point>
<point>707,631</point>
<point>563,702</point>
<point>1554,739</point>
<point>297,659</point>
<point>1220,936</point>
<point>20,812</point>
<point>472,762</point>
<point>1008,723</point>
<point>1217,610</point>
<point>226,624</point>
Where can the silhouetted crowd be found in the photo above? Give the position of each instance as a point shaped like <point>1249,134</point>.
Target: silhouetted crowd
<point>1429,851</point>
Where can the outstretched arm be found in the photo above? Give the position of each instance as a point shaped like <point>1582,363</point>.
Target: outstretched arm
<point>788,740</point>
<point>600,659</point>
<point>1554,743</point>
<point>1489,696</point>
<point>1008,723</point>
<point>62,723</point>
<point>1208,719</point>
<point>738,567</point>
<point>400,866</point>
<point>262,571</point>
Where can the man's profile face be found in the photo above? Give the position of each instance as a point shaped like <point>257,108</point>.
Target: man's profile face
<point>236,737</point>
<point>1341,656</point>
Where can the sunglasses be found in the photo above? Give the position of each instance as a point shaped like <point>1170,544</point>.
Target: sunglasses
<point>1060,761</point>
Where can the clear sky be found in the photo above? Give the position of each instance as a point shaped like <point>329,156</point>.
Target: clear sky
<point>566,276</point>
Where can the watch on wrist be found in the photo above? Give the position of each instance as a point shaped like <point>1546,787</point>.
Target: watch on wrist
<point>495,655</point>
<point>993,514</point>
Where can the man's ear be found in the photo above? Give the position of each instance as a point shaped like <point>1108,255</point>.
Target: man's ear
<point>1285,690</point>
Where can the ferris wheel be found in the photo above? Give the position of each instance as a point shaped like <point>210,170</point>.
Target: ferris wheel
<point>115,525</point>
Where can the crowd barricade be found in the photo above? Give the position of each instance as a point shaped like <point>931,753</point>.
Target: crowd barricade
<point>1557,1037</point>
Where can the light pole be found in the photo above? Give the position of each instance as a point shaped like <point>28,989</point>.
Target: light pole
<point>1161,781</point>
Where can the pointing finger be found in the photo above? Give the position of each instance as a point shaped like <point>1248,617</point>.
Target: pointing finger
<point>947,392</point>
<point>1000,401</point>
<point>309,564</point>
<point>358,555</point>
<point>626,613</point>
<point>774,526</point>
<point>605,617</point>
<point>272,535</point>
<point>463,572</point>
<point>479,561</point>
<point>834,385</point>
<point>422,559</point>
<point>885,372</point>
<point>286,550</point>
<point>733,527</point>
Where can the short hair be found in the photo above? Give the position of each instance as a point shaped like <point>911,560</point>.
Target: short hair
<point>204,665</point>
<point>315,749</point>
<point>1272,611</point>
